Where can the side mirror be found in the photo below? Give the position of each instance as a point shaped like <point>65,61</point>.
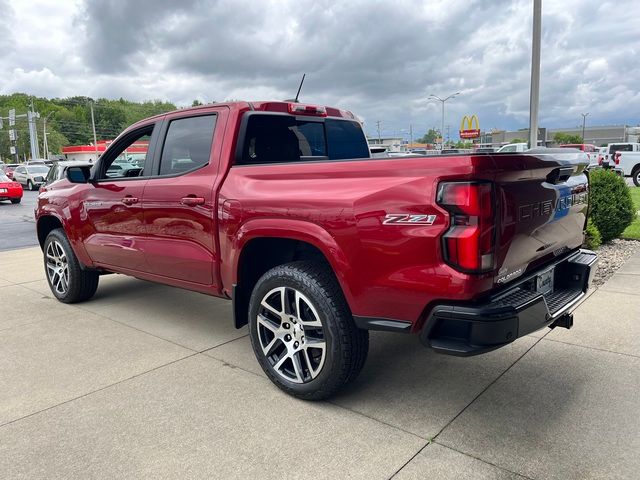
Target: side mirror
<point>78,174</point>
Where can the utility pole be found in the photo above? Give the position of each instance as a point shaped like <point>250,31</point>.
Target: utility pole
<point>584,121</point>
<point>410,134</point>
<point>93,126</point>
<point>448,135</point>
<point>534,100</point>
<point>33,132</point>
<point>442,100</point>
<point>379,138</point>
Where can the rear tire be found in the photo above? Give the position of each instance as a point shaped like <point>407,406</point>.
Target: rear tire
<point>302,331</point>
<point>636,176</point>
<point>16,200</point>
<point>68,282</point>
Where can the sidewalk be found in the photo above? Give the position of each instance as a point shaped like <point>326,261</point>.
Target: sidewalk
<point>149,381</point>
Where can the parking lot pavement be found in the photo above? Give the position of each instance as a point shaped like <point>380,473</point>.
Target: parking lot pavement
<point>148,381</point>
<point>17,224</point>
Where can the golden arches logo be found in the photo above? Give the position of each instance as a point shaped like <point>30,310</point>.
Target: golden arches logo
<point>470,127</point>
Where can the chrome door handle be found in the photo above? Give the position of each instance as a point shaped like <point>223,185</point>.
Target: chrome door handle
<point>129,200</point>
<point>192,201</point>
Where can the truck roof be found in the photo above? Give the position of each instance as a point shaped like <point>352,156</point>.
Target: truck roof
<point>290,107</point>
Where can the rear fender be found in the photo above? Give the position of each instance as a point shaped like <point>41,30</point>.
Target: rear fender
<point>300,230</point>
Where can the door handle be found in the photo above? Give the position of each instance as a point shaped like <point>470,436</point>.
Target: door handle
<point>192,201</point>
<point>129,200</point>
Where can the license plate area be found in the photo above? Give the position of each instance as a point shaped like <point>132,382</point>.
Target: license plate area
<point>544,281</point>
<point>3,190</point>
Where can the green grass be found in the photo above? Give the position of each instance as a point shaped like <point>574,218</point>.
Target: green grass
<point>633,230</point>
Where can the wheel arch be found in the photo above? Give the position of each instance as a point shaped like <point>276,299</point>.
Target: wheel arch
<point>264,244</point>
<point>45,224</point>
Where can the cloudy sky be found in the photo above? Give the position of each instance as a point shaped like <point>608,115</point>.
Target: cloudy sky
<point>380,59</point>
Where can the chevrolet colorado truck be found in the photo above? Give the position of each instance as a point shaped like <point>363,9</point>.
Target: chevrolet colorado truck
<point>279,207</point>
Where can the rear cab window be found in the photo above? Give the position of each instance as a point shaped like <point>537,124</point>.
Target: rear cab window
<point>273,138</point>
<point>620,148</point>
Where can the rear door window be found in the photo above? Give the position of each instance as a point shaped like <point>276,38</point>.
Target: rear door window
<point>187,145</point>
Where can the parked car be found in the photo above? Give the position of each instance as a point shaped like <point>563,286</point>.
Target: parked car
<point>31,176</point>
<point>121,169</point>
<point>9,168</point>
<point>10,190</point>
<point>279,207</point>
<point>591,151</point>
<point>513,148</point>
<point>628,164</point>
<point>57,172</point>
<point>485,150</point>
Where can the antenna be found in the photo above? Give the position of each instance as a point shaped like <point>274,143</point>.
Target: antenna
<point>295,100</point>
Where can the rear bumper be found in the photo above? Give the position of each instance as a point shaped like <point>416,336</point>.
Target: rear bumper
<point>471,329</point>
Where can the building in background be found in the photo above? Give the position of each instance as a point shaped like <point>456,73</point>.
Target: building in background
<point>596,135</point>
<point>90,153</point>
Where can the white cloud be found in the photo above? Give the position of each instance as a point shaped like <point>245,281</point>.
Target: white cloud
<point>378,59</point>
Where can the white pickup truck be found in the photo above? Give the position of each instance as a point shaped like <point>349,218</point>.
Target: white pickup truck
<point>626,159</point>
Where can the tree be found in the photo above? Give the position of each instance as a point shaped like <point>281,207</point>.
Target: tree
<point>518,140</point>
<point>566,138</point>
<point>196,103</point>
<point>429,137</point>
<point>69,119</point>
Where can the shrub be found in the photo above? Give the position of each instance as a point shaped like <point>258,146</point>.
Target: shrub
<point>592,238</point>
<point>612,209</point>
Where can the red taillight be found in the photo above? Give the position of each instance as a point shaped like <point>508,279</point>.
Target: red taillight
<point>469,242</point>
<point>301,109</point>
<point>617,158</point>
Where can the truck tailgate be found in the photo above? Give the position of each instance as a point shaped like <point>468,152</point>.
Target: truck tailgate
<point>542,197</point>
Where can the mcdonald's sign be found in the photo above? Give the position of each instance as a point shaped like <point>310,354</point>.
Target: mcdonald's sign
<point>470,127</point>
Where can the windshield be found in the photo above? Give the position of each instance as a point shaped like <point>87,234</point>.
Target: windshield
<point>4,178</point>
<point>38,169</point>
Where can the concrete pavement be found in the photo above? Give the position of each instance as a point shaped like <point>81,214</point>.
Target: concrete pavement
<point>149,381</point>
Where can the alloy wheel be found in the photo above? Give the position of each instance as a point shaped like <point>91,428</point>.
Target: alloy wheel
<point>291,335</point>
<point>57,267</point>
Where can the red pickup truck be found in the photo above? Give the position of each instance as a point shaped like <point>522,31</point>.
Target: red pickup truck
<point>279,207</point>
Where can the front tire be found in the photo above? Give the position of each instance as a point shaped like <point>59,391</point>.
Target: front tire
<point>68,282</point>
<point>16,200</point>
<point>302,331</point>
<point>29,185</point>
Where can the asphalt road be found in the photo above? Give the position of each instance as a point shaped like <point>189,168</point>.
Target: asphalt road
<point>17,225</point>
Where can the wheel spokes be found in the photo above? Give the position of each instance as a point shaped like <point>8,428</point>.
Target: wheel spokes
<point>57,267</point>
<point>291,337</point>
<point>297,367</point>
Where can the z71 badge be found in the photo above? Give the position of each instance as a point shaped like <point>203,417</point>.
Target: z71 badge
<point>406,219</point>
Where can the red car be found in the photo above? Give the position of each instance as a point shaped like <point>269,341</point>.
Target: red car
<point>8,171</point>
<point>10,190</point>
<point>279,207</point>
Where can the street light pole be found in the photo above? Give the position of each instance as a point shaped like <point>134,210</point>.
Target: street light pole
<point>442,100</point>
<point>584,121</point>
<point>44,135</point>
<point>534,100</point>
